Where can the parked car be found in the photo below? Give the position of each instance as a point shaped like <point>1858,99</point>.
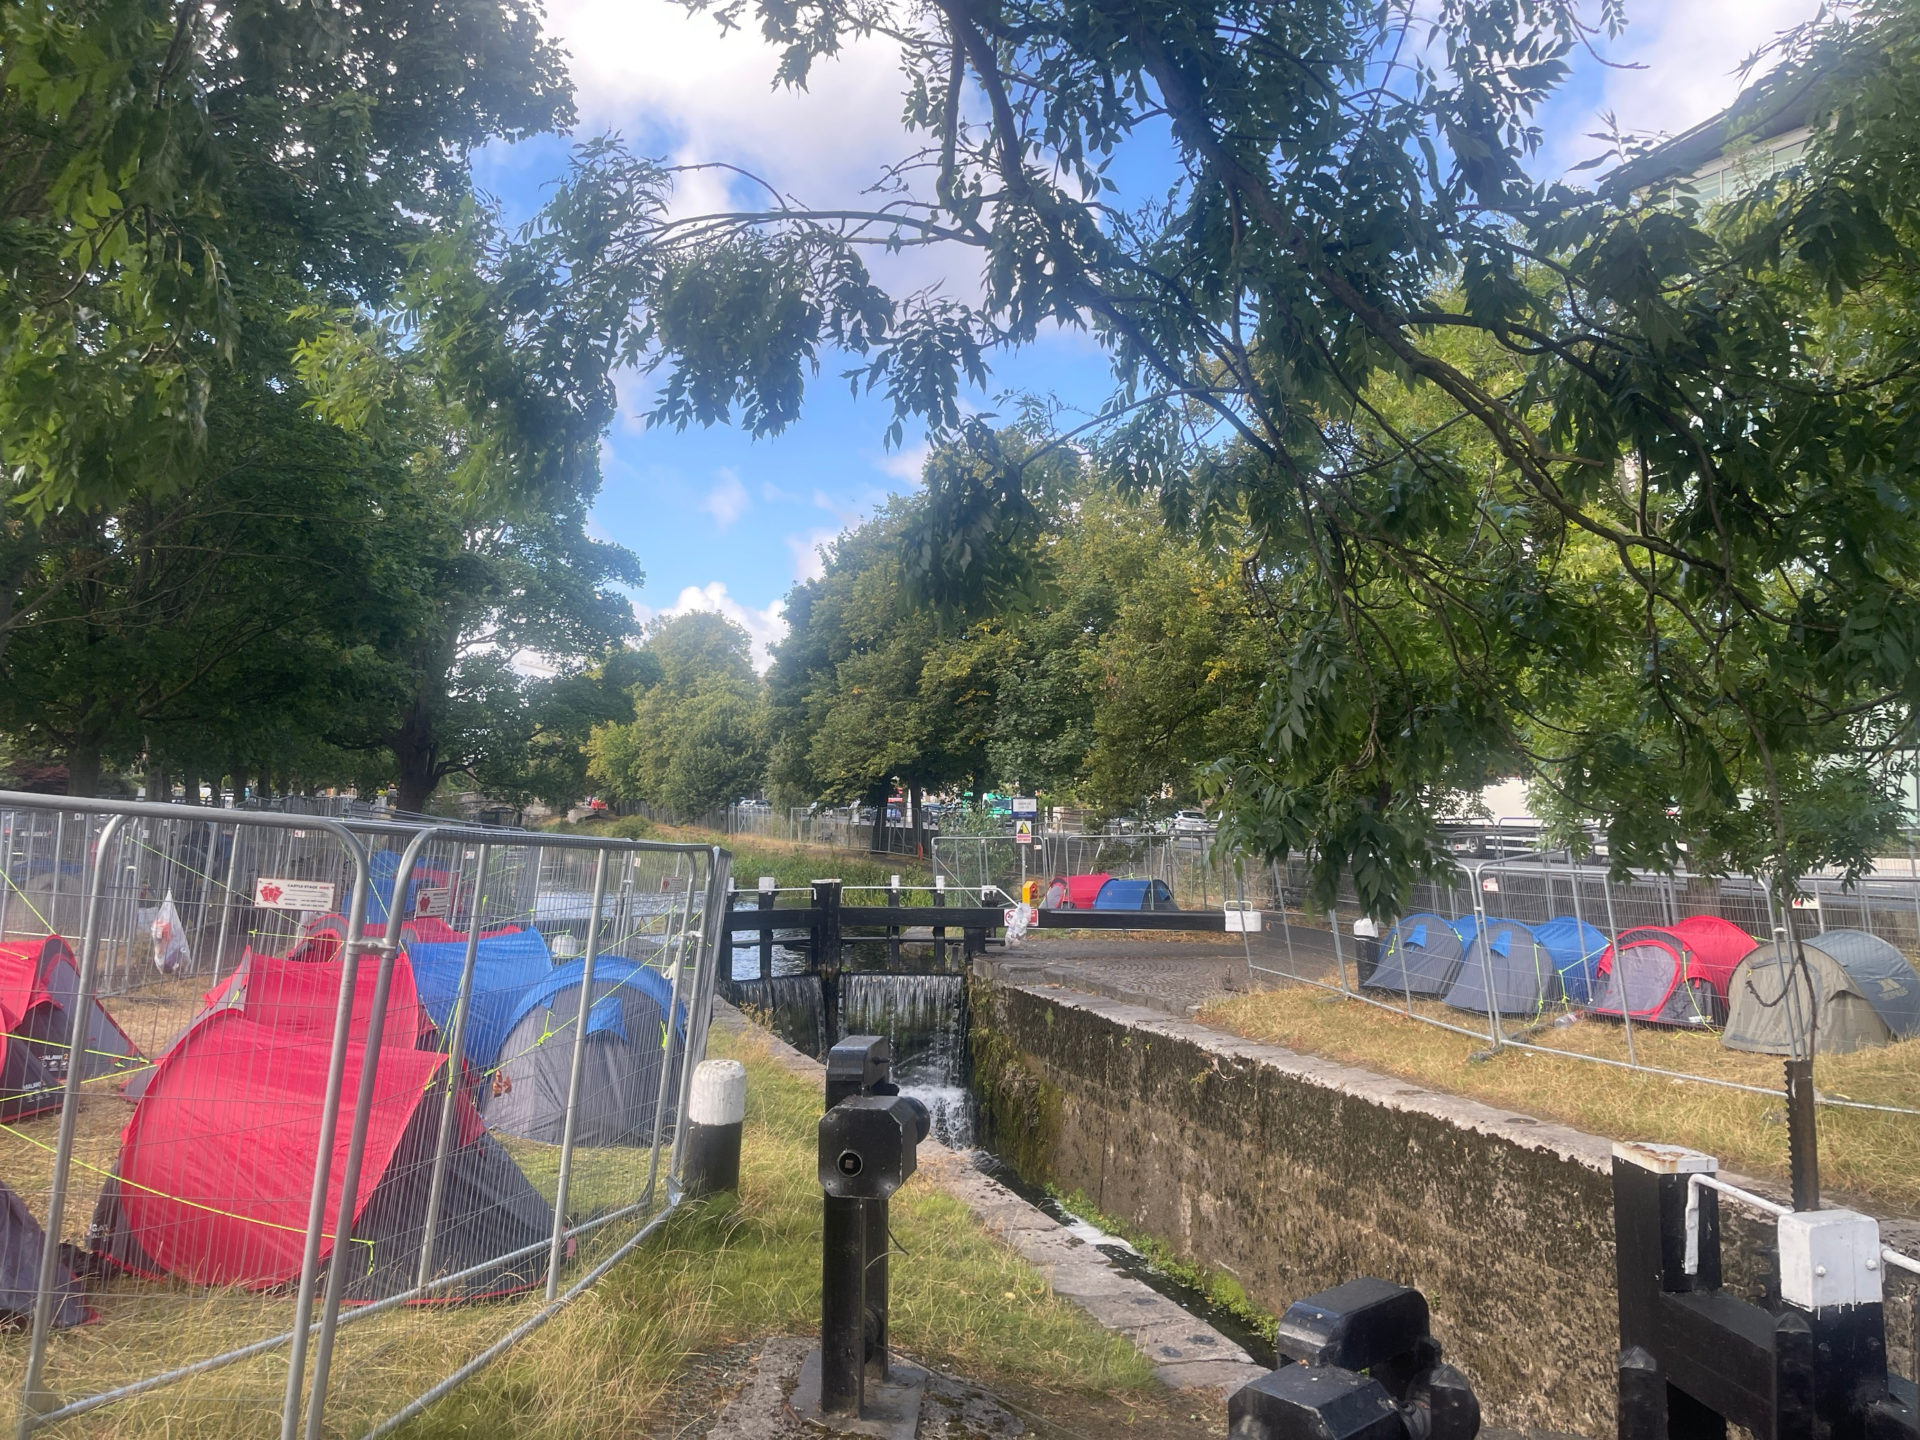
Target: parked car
<point>1192,822</point>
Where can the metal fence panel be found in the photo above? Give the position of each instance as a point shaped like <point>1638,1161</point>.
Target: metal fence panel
<point>341,1160</point>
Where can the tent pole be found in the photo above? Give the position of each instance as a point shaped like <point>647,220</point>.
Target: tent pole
<point>575,1077</point>
<point>456,1056</point>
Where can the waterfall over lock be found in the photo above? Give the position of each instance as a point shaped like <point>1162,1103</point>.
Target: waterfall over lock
<point>924,1017</point>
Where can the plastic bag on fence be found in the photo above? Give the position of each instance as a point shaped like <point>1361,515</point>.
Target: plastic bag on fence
<point>1019,921</point>
<point>170,953</point>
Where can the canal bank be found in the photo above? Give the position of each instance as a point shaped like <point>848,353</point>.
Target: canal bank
<point>1292,1173</point>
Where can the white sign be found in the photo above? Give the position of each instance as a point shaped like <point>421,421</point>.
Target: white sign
<point>1243,922</point>
<point>1806,902</point>
<point>1023,832</point>
<point>1025,805</point>
<point>1490,885</point>
<point>433,900</point>
<point>271,894</point>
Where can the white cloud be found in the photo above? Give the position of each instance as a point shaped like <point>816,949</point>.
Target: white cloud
<point>906,464</point>
<point>808,562</point>
<point>1689,53</point>
<point>767,627</point>
<point>727,500</point>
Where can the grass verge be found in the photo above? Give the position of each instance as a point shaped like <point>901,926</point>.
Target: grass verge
<point>722,1273</point>
<point>716,1274</point>
<point>791,863</point>
<point>1874,1155</point>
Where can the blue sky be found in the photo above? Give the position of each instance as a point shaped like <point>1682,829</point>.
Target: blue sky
<point>724,522</point>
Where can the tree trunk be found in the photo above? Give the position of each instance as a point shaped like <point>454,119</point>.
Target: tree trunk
<point>416,752</point>
<point>915,801</point>
<point>190,786</point>
<point>877,837</point>
<point>83,769</point>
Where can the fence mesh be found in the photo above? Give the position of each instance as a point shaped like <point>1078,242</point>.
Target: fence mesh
<point>416,1130</point>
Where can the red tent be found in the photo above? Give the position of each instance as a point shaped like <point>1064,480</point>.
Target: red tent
<point>216,1165</point>
<point>1081,890</point>
<point>1673,975</point>
<point>39,984</point>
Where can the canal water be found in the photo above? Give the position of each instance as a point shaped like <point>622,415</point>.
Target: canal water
<point>924,1016</point>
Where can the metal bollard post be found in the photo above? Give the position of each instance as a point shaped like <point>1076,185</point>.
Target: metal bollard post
<point>868,1138</point>
<point>1319,1392</point>
<point>716,1113</point>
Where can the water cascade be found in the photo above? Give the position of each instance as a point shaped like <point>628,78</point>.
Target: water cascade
<point>925,1016</point>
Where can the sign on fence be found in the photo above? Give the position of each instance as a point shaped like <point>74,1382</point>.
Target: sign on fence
<point>271,894</point>
<point>1023,831</point>
<point>433,900</point>
<point>1025,805</point>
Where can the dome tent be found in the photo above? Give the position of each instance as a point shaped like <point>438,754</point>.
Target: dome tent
<point>1575,947</point>
<point>1505,956</point>
<point>1420,956</point>
<point>22,1242</point>
<point>1864,993</point>
<point>1672,975</point>
<point>216,1163</point>
<point>519,1038</point>
<point>39,985</point>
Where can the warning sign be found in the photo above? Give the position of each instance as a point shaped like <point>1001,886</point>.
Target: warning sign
<point>1023,832</point>
<point>1490,885</point>
<point>271,894</point>
<point>433,900</point>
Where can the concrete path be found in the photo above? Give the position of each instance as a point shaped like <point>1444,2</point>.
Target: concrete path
<point>1186,1353</point>
<point>1173,977</point>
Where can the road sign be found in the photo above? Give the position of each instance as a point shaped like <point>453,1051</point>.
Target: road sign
<point>1023,831</point>
<point>274,894</point>
<point>1025,805</point>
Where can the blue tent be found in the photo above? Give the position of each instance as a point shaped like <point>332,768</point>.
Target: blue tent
<point>624,1056</point>
<point>1507,969</point>
<point>1420,956</point>
<point>520,1034</point>
<point>1119,894</point>
<point>1575,947</point>
<point>505,969</point>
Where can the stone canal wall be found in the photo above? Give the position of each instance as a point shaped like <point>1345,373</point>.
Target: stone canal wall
<point>1292,1173</point>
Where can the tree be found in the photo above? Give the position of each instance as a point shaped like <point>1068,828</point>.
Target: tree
<point>1696,395</point>
<point>868,690</point>
<point>696,738</point>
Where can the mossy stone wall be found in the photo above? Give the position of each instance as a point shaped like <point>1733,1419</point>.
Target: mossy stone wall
<point>1293,1174</point>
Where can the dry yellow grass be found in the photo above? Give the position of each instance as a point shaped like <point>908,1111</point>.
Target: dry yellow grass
<point>1873,1155</point>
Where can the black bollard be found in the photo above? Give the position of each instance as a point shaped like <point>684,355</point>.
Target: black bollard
<point>868,1139</point>
<point>1318,1393</point>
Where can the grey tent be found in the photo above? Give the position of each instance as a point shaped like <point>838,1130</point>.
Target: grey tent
<point>1864,992</point>
<point>22,1242</point>
<point>1505,957</point>
<point>523,1089</point>
<point>1420,956</point>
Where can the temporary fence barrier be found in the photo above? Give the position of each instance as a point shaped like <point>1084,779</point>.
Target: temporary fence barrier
<point>387,1098</point>
<point>1489,932</point>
